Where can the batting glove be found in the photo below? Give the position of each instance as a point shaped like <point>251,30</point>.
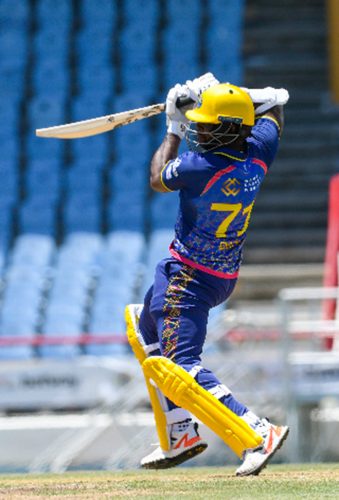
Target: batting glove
<point>198,85</point>
<point>175,118</point>
<point>267,98</point>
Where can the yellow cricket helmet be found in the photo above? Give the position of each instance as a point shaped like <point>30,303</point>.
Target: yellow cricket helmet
<point>221,103</point>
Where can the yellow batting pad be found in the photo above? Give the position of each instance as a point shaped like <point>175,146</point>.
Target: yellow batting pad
<point>181,388</point>
<point>139,352</point>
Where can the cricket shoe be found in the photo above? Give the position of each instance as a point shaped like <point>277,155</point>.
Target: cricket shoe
<point>255,460</point>
<point>186,443</point>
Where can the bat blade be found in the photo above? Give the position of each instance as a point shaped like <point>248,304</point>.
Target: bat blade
<point>94,126</point>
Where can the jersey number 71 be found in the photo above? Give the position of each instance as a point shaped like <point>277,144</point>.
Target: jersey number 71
<point>234,210</point>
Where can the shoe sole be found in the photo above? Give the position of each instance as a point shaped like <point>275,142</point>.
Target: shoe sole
<point>262,466</point>
<point>167,463</point>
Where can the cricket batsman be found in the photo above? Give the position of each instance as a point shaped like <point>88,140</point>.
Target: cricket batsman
<point>233,136</point>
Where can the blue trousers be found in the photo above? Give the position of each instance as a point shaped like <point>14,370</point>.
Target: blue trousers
<point>175,314</point>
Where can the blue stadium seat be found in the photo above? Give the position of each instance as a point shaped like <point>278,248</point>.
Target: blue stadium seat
<point>121,185</point>
<point>97,78</point>
<point>119,273</point>
<point>105,15</point>
<point>61,11</point>
<point>36,216</point>
<point>225,65</point>
<point>149,10</point>
<point>33,251</point>
<point>44,179</point>
<point>9,182</point>
<point>180,12</point>
<point>13,47</point>
<point>126,215</point>
<point>57,77</point>
<point>51,41</point>
<point>14,14</point>
<point>136,135</point>
<point>88,105</point>
<point>134,76</point>
<point>164,209</point>
<point>26,285</point>
<point>158,249</point>
<point>10,148</point>
<point>6,226</point>
<point>46,111</point>
<point>81,179</point>
<point>44,149</point>
<point>83,212</point>
<point>66,310</point>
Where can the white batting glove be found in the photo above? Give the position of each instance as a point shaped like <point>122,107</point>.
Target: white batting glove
<point>198,85</point>
<point>175,118</point>
<point>268,97</point>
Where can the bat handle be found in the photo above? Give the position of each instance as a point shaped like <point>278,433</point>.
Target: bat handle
<point>184,101</point>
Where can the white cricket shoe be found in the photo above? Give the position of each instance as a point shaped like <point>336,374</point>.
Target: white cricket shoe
<point>254,460</point>
<point>185,444</point>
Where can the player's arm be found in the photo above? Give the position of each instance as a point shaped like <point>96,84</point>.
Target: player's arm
<point>275,114</point>
<point>269,102</point>
<point>176,126</point>
<point>168,150</point>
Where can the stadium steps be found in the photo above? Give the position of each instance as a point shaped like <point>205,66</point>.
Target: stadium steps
<point>285,45</point>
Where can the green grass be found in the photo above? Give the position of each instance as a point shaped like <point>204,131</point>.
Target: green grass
<point>315,481</point>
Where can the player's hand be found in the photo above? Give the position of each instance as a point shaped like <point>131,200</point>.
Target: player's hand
<point>175,118</point>
<point>198,85</point>
<point>267,97</point>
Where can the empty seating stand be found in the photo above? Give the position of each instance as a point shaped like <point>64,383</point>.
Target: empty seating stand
<point>72,285</point>
<point>84,207</point>
<point>118,282</point>
<point>27,281</point>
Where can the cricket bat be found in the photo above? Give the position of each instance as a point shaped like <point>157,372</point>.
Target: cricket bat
<point>94,126</point>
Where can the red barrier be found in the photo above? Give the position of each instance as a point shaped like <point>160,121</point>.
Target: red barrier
<point>332,250</point>
<point>41,340</point>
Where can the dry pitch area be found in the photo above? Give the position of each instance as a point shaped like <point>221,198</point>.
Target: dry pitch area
<point>316,481</point>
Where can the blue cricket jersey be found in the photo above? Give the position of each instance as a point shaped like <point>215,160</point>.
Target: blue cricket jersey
<point>217,193</point>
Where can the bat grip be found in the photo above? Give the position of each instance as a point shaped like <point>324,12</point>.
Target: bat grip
<point>181,102</point>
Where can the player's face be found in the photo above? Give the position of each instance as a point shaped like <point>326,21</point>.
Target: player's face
<point>203,132</point>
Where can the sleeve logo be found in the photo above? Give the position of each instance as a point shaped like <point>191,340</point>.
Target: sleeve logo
<point>172,169</point>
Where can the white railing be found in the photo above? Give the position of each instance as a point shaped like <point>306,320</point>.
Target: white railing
<point>311,370</point>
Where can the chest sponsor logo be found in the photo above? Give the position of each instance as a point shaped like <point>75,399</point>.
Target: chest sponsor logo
<point>231,187</point>
<point>252,184</point>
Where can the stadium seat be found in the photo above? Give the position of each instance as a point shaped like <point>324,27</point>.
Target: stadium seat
<point>164,209</point>
<point>61,20</point>
<point>13,47</point>
<point>57,77</point>
<point>74,274</point>
<point>15,13</point>
<point>83,212</point>
<point>9,181</point>
<point>93,148</point>
<point>33,251</point>
<point>96,78</point>
<point>36,216</point>
<point>117,280</point>
<point>6,227</point>
<point>158,249</point>
<point>46,111</point>
<point>44,179</point>
<point>85,178</point>
<point>44,149</point>
<point>126,215</point>
<point>105,15</point>
<point>149,9</point>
